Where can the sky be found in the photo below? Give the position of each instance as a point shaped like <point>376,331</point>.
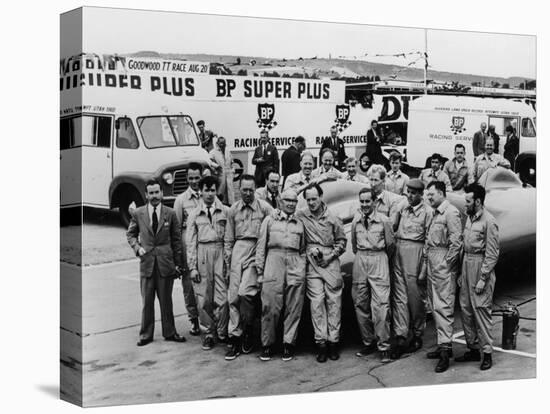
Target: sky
<point>127,31</point>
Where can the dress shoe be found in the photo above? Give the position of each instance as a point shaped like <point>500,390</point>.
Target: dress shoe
<point>487,362</point>
<point>234,350</point>
<point>435,354</point>
<point>208,343</point>
<point>143,342</point>
<point>195,327</point>
<point>333,352</point>
<point>472,355</point>
<point>175,338</point>
<point>266,353</point>
<point>322,352</point>
<point>385,357</point>
<point>414,345</point>
<point>288,352</point>
<point>248,343</point>
<point>443,363</point>
<point>366,350</point>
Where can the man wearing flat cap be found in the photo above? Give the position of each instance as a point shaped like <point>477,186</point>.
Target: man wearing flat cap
<point>436,173</point>
<point>409,265</point>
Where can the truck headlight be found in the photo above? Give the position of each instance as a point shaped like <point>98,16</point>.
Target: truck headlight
<point>168,178</point>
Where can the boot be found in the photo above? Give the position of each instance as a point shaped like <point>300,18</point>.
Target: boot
<point>487,362</point>
<point>443,363</point>
<point>435,354</point>
<point>398,349</point>
<point>322,352</point>
<point>472,355</point>
<point>333,352</point>
<point>288,352</point>
<point>234,349</point>
<point>414,345</point>
<point>195,327</point>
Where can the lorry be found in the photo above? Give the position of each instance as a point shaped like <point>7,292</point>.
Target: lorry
<point>418,125</point>
<point>437,123</point>
<point>121,127</point>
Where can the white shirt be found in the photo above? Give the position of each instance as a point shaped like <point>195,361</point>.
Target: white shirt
<point>150,209</point>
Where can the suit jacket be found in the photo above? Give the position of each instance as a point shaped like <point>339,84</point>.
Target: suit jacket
<point>338,149</point>
<point>270,162</point>
<point>290,162</point>
<point>164,247</point>
<point>374,149</point>
<point>478,143</point>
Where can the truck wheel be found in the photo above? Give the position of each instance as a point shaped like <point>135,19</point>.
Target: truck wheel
<point>527,172</point>
<point>131,198</point>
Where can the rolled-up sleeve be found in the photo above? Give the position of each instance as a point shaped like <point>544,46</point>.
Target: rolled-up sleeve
<point>340,239</point>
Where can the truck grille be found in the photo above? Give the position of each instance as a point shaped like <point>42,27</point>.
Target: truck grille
<point>180,182</point>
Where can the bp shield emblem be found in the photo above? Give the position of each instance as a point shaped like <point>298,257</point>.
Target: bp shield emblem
<point>342,117</point>
<point>266,116</point>
<point>457,124</point>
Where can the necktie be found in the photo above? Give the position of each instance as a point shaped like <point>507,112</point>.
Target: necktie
<point>209,214</point>
<point>273,201</point>
<point>307,180</point>
<point>155,220</point>
<point>263,151</point>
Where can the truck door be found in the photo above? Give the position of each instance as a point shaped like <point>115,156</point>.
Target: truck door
<point>528,137</point>
<point>97,165</point>
<point>70,165</point>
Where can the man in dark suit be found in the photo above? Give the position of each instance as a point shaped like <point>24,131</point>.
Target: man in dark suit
<point>374,145</point>
<point>154,235</point>
<point>478,143</point>
<point>496,138</point>
<point>290,160</point>
<point>337,146</point>
<point>266,158</point>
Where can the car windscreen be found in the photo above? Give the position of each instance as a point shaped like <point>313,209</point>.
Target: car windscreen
<point>167,131</point>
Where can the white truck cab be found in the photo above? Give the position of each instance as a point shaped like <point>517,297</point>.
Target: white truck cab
<point>114,140</point>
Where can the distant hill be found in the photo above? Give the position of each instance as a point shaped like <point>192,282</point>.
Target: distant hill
<point>336,67</point>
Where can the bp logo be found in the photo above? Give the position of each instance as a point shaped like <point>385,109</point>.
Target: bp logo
<point>458,125</point>
<point>342,117</point>
<point>266,116</point>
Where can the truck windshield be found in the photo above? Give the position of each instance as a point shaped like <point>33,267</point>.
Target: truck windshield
<point>167,131</point>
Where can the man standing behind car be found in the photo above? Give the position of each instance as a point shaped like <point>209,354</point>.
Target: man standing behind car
<point>185,203</point>
<point>154,235</point>
<point>266,158</point>
<point>206,233</point>
<point>458,169</point>
<point>325,243</point>
<point>477,279</point>
<point>335,144</point>
<point>290,160</point>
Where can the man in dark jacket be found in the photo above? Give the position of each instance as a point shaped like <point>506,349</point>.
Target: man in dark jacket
<point>290,160</point>
<point>337,146</point>
<point>496,139</point>
<point>266,158</point>
<point>206,137</point>
<point>511,147</point>
<point>374,145</point>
